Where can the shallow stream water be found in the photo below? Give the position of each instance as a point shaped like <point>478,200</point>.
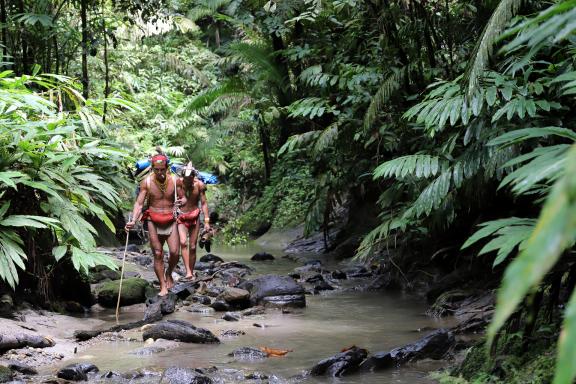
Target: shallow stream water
<point>330,322</point>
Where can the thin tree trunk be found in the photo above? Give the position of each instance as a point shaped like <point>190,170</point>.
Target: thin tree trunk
<point>106,67</point>
<point>56,54</point>
<point>265,140</point>
<point>3,19</point>
<point>282,93</point>
<point>84,21</point>
<point>217,35</point>
<point>23,40</point>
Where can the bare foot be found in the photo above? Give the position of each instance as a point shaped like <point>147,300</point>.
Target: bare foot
<point>169,281</point>
<point>163,292</point>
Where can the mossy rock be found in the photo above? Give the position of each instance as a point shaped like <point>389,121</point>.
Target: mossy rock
<point>133,292</point>
<point>6,374</point>
<point>475,361</point>
<point>539,370</point>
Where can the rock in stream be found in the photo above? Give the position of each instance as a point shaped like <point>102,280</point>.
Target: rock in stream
<point>179,330</point>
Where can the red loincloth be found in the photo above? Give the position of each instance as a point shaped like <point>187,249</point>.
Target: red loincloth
<point>160,218</point>
<point>189,218</point>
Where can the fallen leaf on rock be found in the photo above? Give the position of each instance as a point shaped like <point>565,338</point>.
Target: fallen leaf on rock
<point>275,352</point>
<point>347,348</point>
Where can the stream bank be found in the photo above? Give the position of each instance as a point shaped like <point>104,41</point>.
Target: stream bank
<point>356,312</point>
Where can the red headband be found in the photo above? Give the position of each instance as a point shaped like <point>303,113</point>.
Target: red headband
<point>159,159</point>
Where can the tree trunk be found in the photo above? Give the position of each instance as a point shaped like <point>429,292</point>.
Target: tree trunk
<point>23,40</point>
<point>281,90</point>
<point>106,68</point>
<point>84,21</point>
<point>217,35</point>
<point>265,140</point>
<point>3,18</point>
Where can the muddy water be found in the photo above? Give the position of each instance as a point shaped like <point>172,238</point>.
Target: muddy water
<point>330,322</point>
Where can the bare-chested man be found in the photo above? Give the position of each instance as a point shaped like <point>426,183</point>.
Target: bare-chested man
<point>194,192</point>
<point>161,189</point>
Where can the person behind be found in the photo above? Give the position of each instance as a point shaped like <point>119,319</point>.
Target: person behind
<point>161,190</point>
<point>194,192</point>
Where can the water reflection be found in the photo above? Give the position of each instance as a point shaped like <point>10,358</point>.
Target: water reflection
<point>329,323</point>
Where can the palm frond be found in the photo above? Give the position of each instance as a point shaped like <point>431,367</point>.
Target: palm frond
<point>260,56</point>
<point>508,234</point>
<point>381,97</point>
<point>546,164</point>
<point>478,63</point>
<point>413,165</point>
<point>298,141</point>
<point>554,233</point>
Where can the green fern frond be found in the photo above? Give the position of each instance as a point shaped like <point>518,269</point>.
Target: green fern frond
<point>327,138</point>
<point>260,56</point>
<point>207,97</point>
<point>552,25</point>
<point>546,164</point>
<point>387,88</point>
<point>412,165</point>
<point>478,63</point>
<point>508,234</point>
<point>431,197</point>
<point>187,70</point>
<point>298,141</point>
<point>311,107</point>
<point>198,13</point>
<point>519,135</point>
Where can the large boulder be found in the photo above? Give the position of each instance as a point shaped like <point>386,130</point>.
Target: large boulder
<point>235,297</point>
<point>231,295</point>
<point>17,366</point>
<point>275,290</point>
<point>77,372</point>
<point>167,302</point>
<point>179,330</point>
<point>100,274</point>
<point>210,258</point>
<point>248,353</point>
<point>133,292</point>
<point>262,256</point>
<point>434,346</point>
<point>340,364</point>
<point>175,375</point>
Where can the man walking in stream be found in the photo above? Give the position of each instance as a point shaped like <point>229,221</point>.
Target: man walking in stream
<point>162,190</point>
<point>194,192</point>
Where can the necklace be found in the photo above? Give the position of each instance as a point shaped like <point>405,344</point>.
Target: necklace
<point>162,186</point>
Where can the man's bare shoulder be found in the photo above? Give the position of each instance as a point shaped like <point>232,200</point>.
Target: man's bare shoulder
<point>144,183</point>
<point>201,185</point>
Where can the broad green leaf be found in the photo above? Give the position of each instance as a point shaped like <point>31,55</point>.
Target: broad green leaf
<point>28,221</point>
<point>59,251</point>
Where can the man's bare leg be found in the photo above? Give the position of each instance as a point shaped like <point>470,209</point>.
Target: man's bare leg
<point>156,246</point>
<point>185,249</point>
<point>192,244</point>
<point>173,255</point>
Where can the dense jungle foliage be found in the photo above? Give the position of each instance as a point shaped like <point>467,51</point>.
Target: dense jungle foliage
<point>454,118</point>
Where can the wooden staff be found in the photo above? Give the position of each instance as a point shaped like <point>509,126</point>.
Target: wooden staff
<point>122,273</point>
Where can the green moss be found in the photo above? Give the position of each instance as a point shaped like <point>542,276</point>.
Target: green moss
<point>474,362</point>
<point>133,292</point>
<point>512,364</point>
<point>5,374</point>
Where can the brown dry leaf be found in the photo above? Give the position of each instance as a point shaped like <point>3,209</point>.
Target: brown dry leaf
<point>275,352</point>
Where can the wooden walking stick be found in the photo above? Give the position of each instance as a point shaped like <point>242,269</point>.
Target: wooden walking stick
<point>122,273</point>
